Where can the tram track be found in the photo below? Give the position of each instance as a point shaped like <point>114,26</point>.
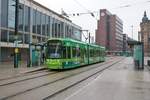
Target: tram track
<point>70,86</point>
<point>26,76</point>
<point>57,80</point>
<point>25,79</point>
<point>28,73</point>
<point>23,74</point>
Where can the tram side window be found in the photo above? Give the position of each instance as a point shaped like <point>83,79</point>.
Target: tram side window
<point>78,52</point>
<point>86,52</point>
<point>91,52</point>
<point>74,53</point>
<point>100,52</point>
<point>68,52</point>
<point>82,52</point>
<point>95,53</point>
<point>64,52</point>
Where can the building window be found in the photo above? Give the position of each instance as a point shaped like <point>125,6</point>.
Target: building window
<point>27,19</point>
<point>27,38</point>
<point>11,36</point>
<point>53,27</point>
<point>43,24</point>
<point>38,21</point>
<point>20,38</point>
<point>4,35</point>
<point>59,31</point>
<point>47,28</point>
<point>56,28</point>
<point>76,34</point>
<point>62,29</point>
<point>11,13</point>
<point>38,39</point>
<point>21,16</point>
<point>43,39</point>
<point>66,30</point>
<point>34,22</point>
<point>4,13</point>
<point>69,31</point>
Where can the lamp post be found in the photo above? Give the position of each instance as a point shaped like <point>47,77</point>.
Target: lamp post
<point>16,34</point>
<point>89,38</point>
<point>132,31</point>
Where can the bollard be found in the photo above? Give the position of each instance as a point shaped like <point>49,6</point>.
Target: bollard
<point>148,62</point>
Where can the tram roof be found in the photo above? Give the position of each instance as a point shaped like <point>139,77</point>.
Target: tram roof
<point>67,40</point>
<point>75,41</point>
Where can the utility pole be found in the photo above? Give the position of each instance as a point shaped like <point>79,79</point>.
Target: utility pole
<point>16,51</point>
<point>89,37</point>
<point>132,31</point>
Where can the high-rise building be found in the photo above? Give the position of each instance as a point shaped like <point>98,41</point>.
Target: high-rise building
<point>109,31</point>
<point>144,34</point>
<point>37,23</point>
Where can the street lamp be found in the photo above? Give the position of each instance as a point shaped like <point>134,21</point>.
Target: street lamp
<point>16,51</point>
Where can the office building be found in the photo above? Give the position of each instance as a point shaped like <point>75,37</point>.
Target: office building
<point>109,31</point>
<point>37,23</point>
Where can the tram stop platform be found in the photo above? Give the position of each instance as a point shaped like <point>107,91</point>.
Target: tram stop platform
<point>120,82</point>
<point>7,70</point>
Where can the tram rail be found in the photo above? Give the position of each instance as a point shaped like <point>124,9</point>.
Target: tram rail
<point>85,69</point>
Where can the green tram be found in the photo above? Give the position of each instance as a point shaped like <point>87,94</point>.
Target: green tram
<point>68,53</point>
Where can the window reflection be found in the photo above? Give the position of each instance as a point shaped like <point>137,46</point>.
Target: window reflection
<point>27,17</point>
<point>38,21</point>
<point>21,16</point>
<point>34,21</point>
<point>4,34</point>
<point>11,13</point>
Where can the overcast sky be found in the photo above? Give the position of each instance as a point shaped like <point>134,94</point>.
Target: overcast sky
<point>130,11</point>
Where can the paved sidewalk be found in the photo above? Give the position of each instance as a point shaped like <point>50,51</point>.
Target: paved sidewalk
<point>7,69</point>
<point>121,82</point>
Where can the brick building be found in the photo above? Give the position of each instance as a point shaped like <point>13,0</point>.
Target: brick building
<point>109,31</point>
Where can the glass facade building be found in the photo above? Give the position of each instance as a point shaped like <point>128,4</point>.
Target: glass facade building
<point>36,24</point>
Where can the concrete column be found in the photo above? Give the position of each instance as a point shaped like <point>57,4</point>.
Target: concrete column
<point>23,24</point>
<point>31,23</point>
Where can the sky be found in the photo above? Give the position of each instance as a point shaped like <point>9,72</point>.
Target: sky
<point>129,11</point>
